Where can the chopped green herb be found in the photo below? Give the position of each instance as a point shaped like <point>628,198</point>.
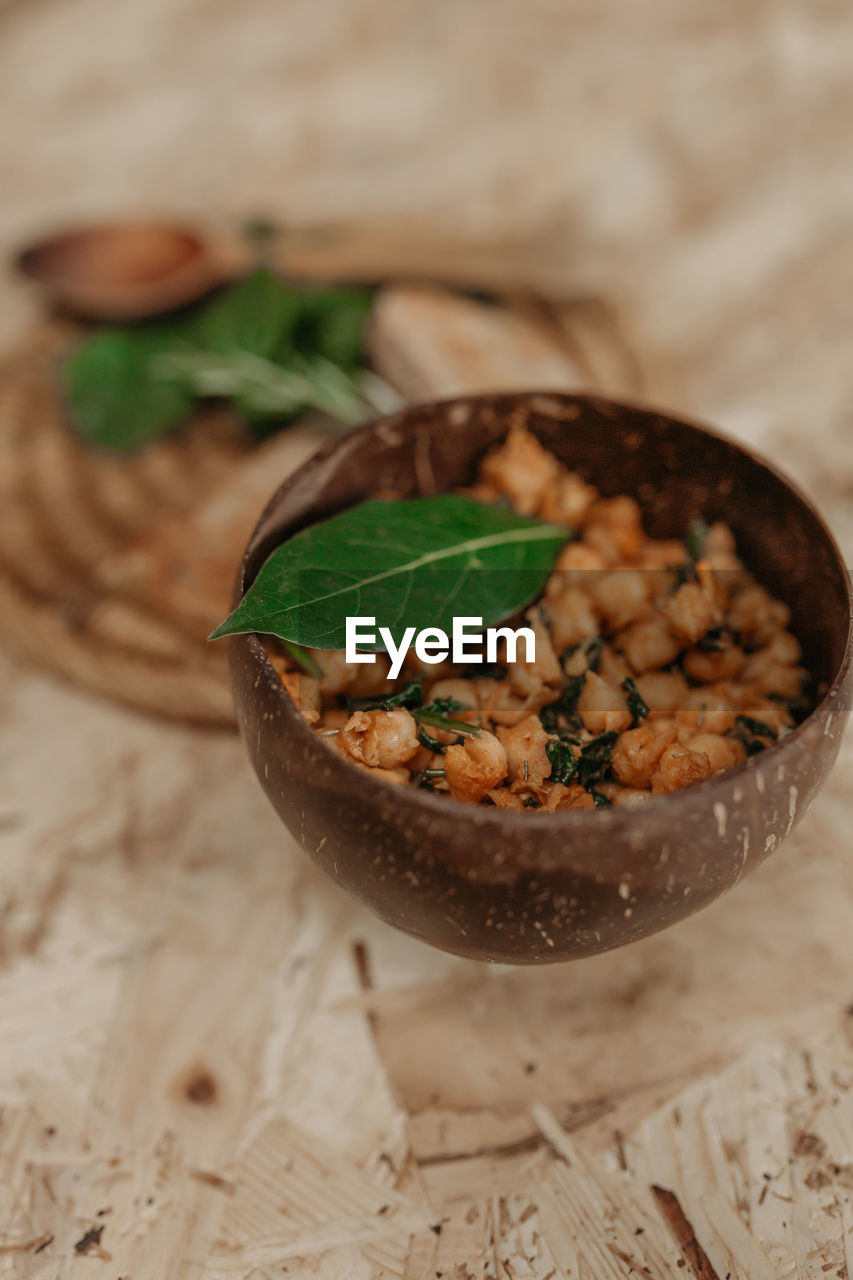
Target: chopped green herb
<point>600,800</point>
<point>595,758</point>
<point>433,744</point>
<point>301,656</point>
<point>563,763</point>
<point>437,720</point>
<point>565,707</point>
<point>756,727</point>
<point>593,653</point>
<point>442,706</point>
<point>425,777</point>
<point>412,695</point>
<point>636,702</point>
<point>694,543</point>
<point>799,706</point>
<point>713,641</point>
<point>532,803</point>
<point>751,733</point>
<point>592,650</point>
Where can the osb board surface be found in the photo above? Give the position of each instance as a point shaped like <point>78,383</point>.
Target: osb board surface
<point>202,1073</point>
<point>220,1066</point>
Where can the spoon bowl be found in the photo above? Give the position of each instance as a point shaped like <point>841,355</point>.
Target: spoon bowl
<point>124,270</point>
<point>530,888</point>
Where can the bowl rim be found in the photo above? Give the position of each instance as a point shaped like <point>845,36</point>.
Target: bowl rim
<point>613,816</point>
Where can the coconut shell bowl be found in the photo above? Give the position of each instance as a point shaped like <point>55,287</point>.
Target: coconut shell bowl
<point>529,888</point>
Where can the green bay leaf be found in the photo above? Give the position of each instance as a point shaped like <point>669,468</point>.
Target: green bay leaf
<point>414,563</point>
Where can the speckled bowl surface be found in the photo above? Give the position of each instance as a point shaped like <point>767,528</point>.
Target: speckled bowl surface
<point>531,888</point>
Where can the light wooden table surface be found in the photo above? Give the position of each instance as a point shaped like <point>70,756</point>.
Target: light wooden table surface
<point>214,1064</point>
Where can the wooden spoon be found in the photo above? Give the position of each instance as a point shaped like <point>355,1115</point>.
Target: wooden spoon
<point>127,270</point>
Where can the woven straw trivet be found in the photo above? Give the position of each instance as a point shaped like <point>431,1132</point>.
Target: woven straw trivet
<point>113,570</point>
<point>77,594</point>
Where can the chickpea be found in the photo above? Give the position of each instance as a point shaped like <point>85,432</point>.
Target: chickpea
<point>714,665</point>
<point>305,692</point>
<point>568,500</point>
<point>690,612</point>
<point>528,677</point>
<point>680,767</point>
<point>504,706</point>
<point>333,718</point>
<point>573,797</point>
<point>338,674</point>
<point>637,753</point>
<point>371,678</point>
<point>380,739</point>
<point>602,706</point>
<point>708,709</point>
<point>714,584</point>
<point>648,645</point>
<point>462,691</point>
<point>399,777</point>
<point>662,690</point>
<point>772,713</point>
<point>722,752</point>
<point>757,616</point>
<point>721,553</point>
<point>612,667</point>
<point>773,670</point>
<point>521,469</point>
<point>526,750</point>
<point>625,797</point>
<point>572,616</point>
<point>776,678</point>
<point>475,767</point>
<point>621,520</point>
<point>785,648</point>
<point>503,798</point>
<point>622,596</point>
<point>661,555</point>
<point>577,563</point>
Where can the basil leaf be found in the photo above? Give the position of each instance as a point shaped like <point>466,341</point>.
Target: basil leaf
<point>257,314</point>
<point>113,398</point>
<point>275,350</point>
<point>332,323</point>
<point>413,563</point>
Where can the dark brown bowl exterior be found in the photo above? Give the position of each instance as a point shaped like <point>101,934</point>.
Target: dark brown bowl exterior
<point>536,888</point>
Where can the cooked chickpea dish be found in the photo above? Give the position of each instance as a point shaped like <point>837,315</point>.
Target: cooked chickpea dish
<point>658,664</point>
